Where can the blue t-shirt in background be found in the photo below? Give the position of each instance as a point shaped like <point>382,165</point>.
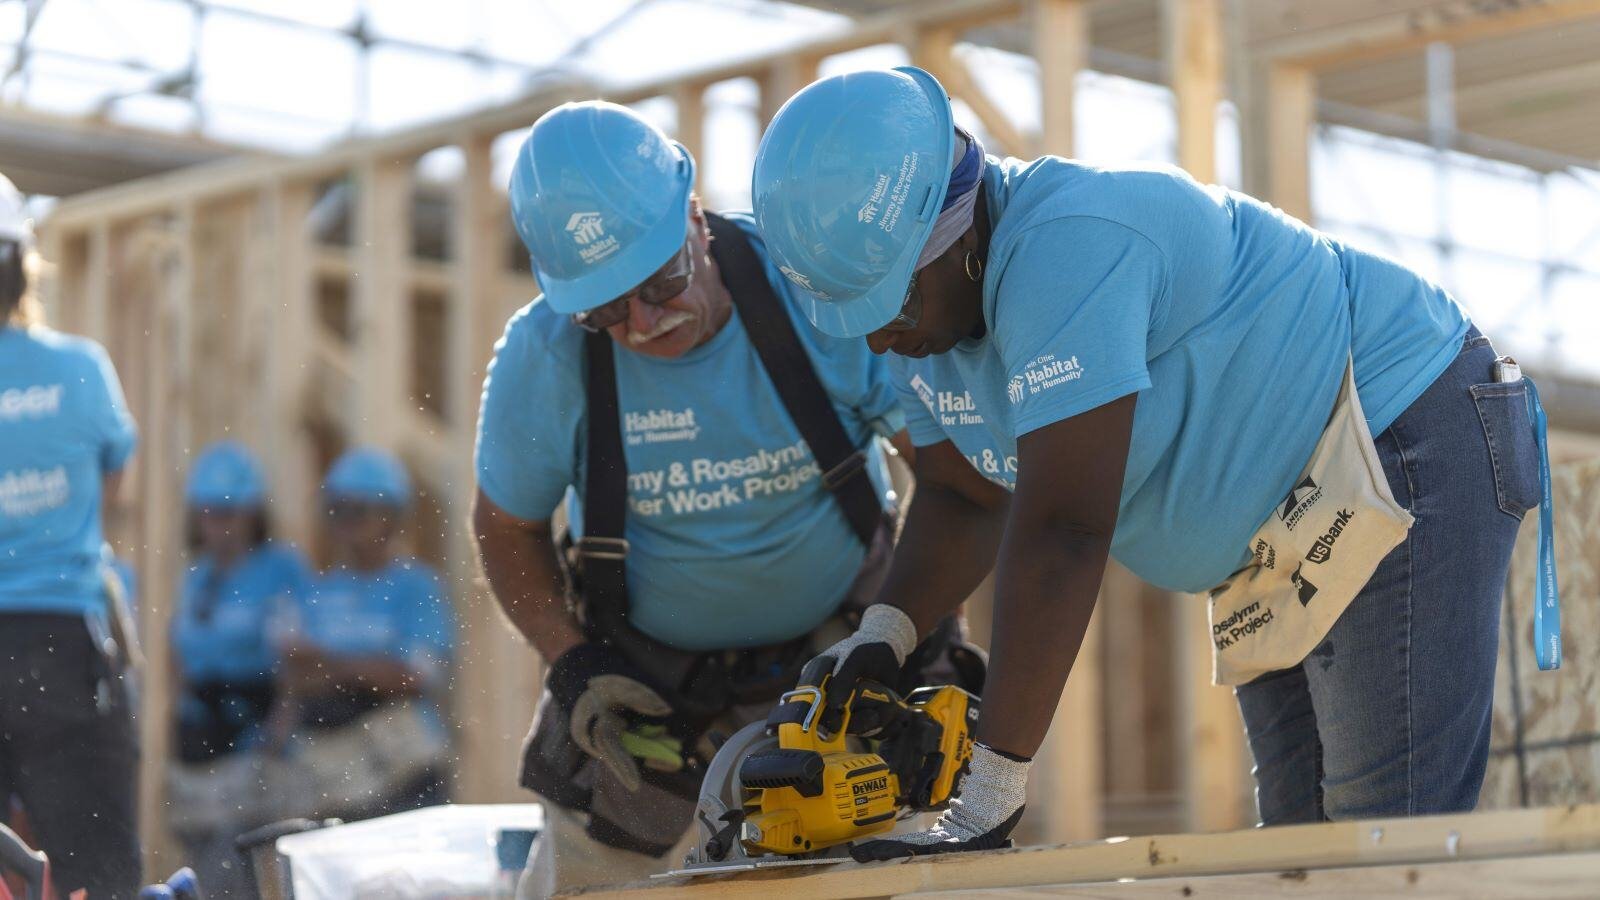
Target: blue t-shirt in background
<point>63,426</point>
<point>399,612</point>
<point>222,629</point>
<point>1232,322</point>
<point>733,541</point>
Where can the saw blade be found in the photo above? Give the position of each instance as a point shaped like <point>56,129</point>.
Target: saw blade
<point>766,862</point>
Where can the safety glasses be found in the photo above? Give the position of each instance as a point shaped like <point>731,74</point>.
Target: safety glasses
<point>668,282</point>
<point>910,310</point>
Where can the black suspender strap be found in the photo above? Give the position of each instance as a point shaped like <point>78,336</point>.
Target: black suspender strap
<point>789,367</point>
<point>603,549</point>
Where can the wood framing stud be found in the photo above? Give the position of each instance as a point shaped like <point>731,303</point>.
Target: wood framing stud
<point>1061,46</point>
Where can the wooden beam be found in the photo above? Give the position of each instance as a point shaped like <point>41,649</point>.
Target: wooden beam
<point>1194,59</point>
<point>690,99</point>
<point>97,284</point>
<point>934,50</point>
<point>782,80</point>
<point>1291,112</point>
<point>1570,875</point>
<point>1066,787</point>
<point>1061,47</point>
<point>380,303</point>
<point>1408,31</point>
<point>290,457</point>
<point>166,436</point>
<point>499,681</point>
<point>1435,839</point>
<point>1216,776</point>
<point>151,194</point>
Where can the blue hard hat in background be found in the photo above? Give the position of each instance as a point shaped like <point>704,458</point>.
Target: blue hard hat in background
<point>225,476</point>
<point>368,475</point>
<point>848,182</point>
<point>601,199</point>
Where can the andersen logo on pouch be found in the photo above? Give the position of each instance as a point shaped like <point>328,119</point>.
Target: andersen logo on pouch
<point>1322,550</point>
<point>1300,500</point>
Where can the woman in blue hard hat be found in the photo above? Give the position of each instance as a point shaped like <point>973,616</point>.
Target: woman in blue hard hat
<point>370,655</point>
<point>1187,379</point>
<point>67,742</point>
<point>237,584</point>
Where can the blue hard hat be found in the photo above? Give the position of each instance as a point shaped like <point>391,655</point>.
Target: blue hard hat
<point>601,199</point>
<point>368,475</point>
<point>848,182</point>
<point>225,476</point>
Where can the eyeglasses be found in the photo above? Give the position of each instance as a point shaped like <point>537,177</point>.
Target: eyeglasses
<point>668,282</point>
<point>910,310</point>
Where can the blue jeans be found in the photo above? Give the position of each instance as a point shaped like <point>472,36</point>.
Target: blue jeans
<point>1389,715</point>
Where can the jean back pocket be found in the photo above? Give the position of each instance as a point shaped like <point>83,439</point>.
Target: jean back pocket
<point>1513,451</point>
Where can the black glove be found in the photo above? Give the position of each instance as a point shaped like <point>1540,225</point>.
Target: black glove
<point>611,708</point>
<point>875,652</point>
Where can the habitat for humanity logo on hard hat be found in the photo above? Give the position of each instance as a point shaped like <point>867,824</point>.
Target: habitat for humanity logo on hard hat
<point>589,234</point>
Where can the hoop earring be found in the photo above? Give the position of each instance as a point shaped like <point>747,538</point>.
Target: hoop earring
<point>973,265</point>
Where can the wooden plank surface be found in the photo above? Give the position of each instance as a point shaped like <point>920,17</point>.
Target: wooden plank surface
<point>1556,875</point>
<point>1476,836</point>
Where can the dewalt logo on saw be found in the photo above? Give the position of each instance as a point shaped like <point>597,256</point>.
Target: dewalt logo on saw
<point>870,786</point>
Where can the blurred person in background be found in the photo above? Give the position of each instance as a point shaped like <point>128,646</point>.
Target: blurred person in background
<point>368,658</point>
<point>67,743</point>
<point>224,665</point>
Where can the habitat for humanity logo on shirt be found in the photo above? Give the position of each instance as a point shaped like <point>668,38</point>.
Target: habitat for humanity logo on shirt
<point>949,407</point>
<point>659,426</point>
<point>1045,372</point>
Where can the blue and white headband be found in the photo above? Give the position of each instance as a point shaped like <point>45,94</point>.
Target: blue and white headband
<point>960,199</point>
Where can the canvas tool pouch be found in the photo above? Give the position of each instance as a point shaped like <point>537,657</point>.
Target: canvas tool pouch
<point>1311,557</point>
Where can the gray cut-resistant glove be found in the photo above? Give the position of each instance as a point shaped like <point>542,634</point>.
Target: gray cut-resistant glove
<point>604,698</point>
<point>876,651</point>
<point>990,805</point>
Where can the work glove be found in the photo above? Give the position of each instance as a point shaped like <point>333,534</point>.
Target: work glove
<point>875,652</point>
<point>608,706</point>
<point>992,795</point>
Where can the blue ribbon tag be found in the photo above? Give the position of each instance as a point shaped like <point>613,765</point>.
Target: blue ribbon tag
<point>1547,595</point>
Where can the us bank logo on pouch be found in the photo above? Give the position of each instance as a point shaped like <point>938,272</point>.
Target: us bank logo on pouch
<point>1300,500</point>
<point>1307,589</point>
<point>659,426</point>
<point>1322,550</point>
<point>589,233</point>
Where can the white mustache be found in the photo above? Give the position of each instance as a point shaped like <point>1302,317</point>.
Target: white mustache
<point>671,321</point>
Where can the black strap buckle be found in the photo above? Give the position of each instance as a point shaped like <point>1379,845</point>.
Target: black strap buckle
<point>602,548</point>
<point>848,468</point>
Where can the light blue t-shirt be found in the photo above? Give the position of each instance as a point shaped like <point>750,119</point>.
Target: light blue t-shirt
<point>733,541</point>
<point>222,629</point>
<point>1232,322</point>
<point>63,426</point>
<point>399,612</point>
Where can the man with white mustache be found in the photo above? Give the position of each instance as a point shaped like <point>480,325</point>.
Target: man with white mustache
<point>719,460</point>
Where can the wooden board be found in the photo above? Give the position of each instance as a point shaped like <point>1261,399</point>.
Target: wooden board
<point>1477,836</point>
<point>1555,875</point>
